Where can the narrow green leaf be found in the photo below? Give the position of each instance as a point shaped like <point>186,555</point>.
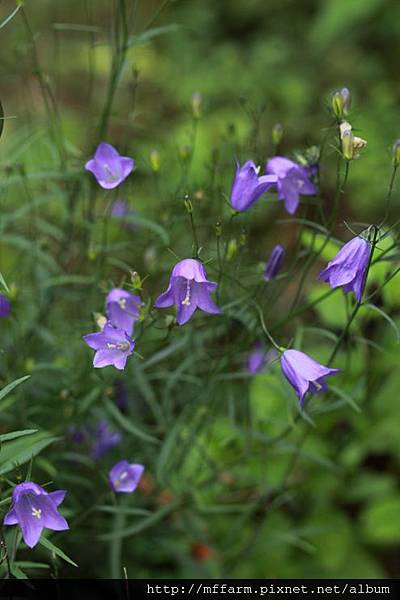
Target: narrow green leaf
<point>47,544</point>
<point>16,434</point>
<point>19,451</point>
<point>149,522</point>
<point>386,317</point>
<point>128,426</point>
<point>6,390</point>
<point>149,34</point>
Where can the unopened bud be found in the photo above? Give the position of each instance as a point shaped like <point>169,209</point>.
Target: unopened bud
<point>396,153</point>
<point>218,229</point>
<point>232,249</point>
<point>155,161</point>
<point>196,105</point>
<point>277,134</point>
<point>188,204</point>
<point>341,103</point>
<point>351,144</point>
<point>100,320</point>
<point>347,144</point>
<point>136,281</point>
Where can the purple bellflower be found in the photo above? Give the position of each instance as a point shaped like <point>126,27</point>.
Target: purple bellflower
<point>109,168</point>
<point>122,309</point>
<point>104,439</point>
<point>188,289</point>
<point>256,359</point>
<point>293,181</point>
<point>124,477</point>
<point>274,262</point>
<point>113,347</point>
<point>349,267</point>
<point>304,373</point>
<point>5,306</point>
<point>33,509</point>
<point>247,186</point>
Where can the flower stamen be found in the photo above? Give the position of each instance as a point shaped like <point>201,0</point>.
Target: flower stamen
<point>186,300</point>
<point>37,512</point>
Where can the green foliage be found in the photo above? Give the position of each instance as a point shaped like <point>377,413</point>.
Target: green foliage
<point>231,462</point>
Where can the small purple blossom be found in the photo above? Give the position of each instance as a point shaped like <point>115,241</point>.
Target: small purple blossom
<point>188,289</point>
<point>349,267</point>
<point>77,435</point>
<point>274,262</point>
<point>113,347</point>
<point>34,509</point>
<point>293,181</point>
<point>124,477</point>
<point>109,168</point>
<point>248,186</point>
<point>122,309</point>
<point>5,306</point>
<point>120,210</point>
<point>304,373</point>
<point>104,439</point>
<point>259,358</point>
<point>256,359</point>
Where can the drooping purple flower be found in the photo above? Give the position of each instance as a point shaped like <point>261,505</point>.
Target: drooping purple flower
<point>78,435</point>
<point>274,262</point>
<point>304,373</point>
<point>259,358</point>
<point>124,477</point>
<point>109,168</point>
<point>34,509</point>
<point>188,289</point>
<point>248,186</point>
<point>122,309</point>
<point>113,347</point>
<point>5,306</point>
<point>104,439</point>
<point>349,267</point>
<point>256,359</point>
<point>293,181</point>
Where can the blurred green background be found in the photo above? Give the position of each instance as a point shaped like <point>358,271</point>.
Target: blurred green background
<point>255,63</point>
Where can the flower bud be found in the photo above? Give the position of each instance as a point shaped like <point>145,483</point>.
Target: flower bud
<point>232,249</point>
<point>136,281</point>
<point>396,153</point>
<point>347,144</point>
<point>341,103</point>
<point>277,134</point>
<point>155,161</point>
<point>196,105</point>
<point>185,152</point>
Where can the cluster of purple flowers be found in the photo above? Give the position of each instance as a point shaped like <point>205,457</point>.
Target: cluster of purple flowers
<point>189,288</point>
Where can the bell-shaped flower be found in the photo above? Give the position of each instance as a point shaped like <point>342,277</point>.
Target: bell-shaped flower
<point>188,289</point>
<point>304,373</point>
<point>122,309</point>
<point>125,477</point>
<point>248,186</point>
<point>293,181</point>
<point>34,509</point>
<point>103,439</point>
<point>274,262</point>
<point>349,267</point>
<point>113,347</point>
<point>5,306</point>
<point>109,168</point>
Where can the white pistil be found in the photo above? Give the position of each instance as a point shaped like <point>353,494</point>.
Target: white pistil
<point>317,385</point>
<point>186,300</point>
<point>122,303</point>
<point>124,346</point>
<point>109,172</point>
<point>123,475</point>
<point>37,512</point>
<point>111,346</point>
